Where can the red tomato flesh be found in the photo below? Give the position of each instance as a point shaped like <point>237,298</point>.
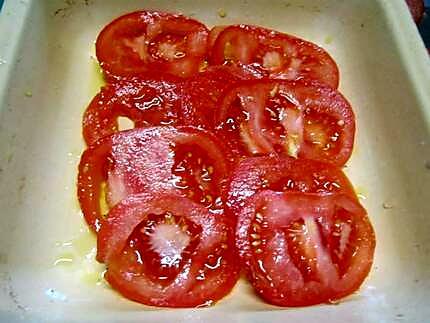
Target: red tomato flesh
<point>273,54</point>
<point>284,175</point>
<point>306,120</point>
<point>149,100</point>
<point>202,92</point>
<point>302,249</point>
<point>166,250</point>
<point>152,41</point>
<point>186,160</point>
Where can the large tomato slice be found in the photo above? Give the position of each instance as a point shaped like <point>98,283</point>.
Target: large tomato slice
<point>166,250</point>
<point>186,160</point>
<point>272,54</point>
<point>147,101</point>
<point>284,174</point>
<point>303,249</point>
<point>151,40</point>
<point>302,119</point>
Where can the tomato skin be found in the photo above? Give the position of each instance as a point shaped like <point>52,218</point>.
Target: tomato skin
<point>144,160</point>
<point>264,239</point>
<point>147,100</point>
<point>133,44</point>
<point>273,54</point>
<point>286,174</point>
<point>313,102</point>
<point>186,290</point>
<point>91,174</point>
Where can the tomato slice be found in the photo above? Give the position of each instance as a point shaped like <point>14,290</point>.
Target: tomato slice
<point>302,249</point>
<point>284,174</point>
<point>186,160</point>
<point>301,119</point>
<point>166,250</point>
<point>147,101</point>
<point>202,92</point>
<point>213,35</point>
<point>273,54</point>
<point>151,40</point>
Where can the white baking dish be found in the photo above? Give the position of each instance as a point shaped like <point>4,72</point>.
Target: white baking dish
<point>47,77</point>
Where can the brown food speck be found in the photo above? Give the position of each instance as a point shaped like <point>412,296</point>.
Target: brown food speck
<point>387,205</point>
<point>56,12</point>
<point>222,13</point>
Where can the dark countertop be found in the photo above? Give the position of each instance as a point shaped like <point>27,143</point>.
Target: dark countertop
<point>424,26</point>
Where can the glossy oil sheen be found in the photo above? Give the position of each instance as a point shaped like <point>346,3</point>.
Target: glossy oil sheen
<point>47,79</point>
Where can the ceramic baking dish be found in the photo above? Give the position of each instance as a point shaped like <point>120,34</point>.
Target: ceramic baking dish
<point>48,75</point>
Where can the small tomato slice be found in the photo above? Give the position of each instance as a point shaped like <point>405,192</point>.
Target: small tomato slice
<point>147,101</point>
<point>273,54</point>
<point>187,160</point>
<point>301,119</point>
<point>165,250</point>
<point>302,249</point>
<point>284,174</point>
<point>151,40</point>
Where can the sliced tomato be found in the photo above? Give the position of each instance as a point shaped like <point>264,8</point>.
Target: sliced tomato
<point>92,175</point>
<point>302,249</point>
<point>273,54</point>
<point>166,250</point>
<point>284,174</point>
<point>301,119</point>
<point>202,92</point>
<point>151,40</point>
<point>187,160</point>
<point>213,35</point>
<point>149,100</point>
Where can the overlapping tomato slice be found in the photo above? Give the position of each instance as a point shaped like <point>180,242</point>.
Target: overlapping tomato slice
<point>302,248</point>
<point>186,160</point>
<point>301,119</point>
<point>272,54</point>
<point>202,92</point>
<point>148,100</point>
<point>166,250</point>
<point>284,174</point>
<point>152,41</point>
<point>301,233</point>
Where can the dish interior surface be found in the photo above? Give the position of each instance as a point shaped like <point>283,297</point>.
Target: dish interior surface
<point>47,266</point>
